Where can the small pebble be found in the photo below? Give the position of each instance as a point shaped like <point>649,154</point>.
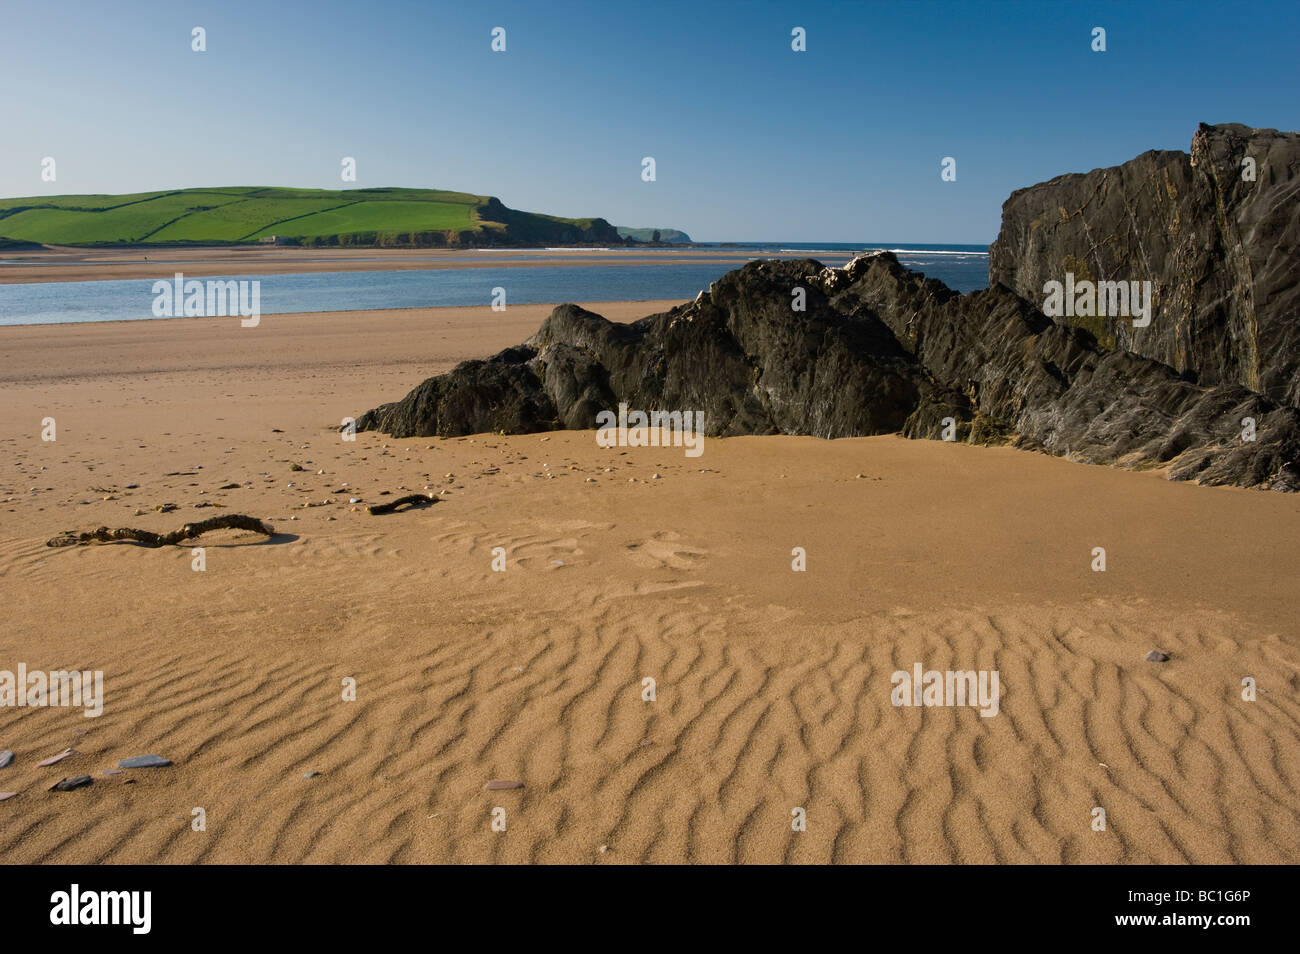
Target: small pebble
<point>312,775</point>
<point>1157,656</point>
<point>6,757</point>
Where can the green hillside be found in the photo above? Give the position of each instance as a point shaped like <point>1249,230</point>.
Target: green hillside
<point>354,217</point>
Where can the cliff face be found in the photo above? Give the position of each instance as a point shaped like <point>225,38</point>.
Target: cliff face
<point>878,349</point>
<point>524,228</point>
<point>1009,374</point>
<point>1220,249</point>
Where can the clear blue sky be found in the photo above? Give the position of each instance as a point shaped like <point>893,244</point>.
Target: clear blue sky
<point>752,140</point>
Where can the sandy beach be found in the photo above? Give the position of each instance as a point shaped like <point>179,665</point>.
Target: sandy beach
<point>772,687</point>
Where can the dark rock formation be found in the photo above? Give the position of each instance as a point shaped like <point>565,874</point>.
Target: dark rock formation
<point>1014,375</point>
<point>878,349</point>
<point>739,354</point>
<point>1220,249</point>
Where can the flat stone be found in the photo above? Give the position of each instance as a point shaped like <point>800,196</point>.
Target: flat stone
<point>1157,656</point>
<point>503,785</point>
<point>6,757</point>
<point>6,795</point>
<point>312,775</point>
<point>57,758</point>
<point>144,761</point>
<point>68,784</point>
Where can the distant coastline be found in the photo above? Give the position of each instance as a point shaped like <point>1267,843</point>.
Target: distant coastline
<point>312,218</point>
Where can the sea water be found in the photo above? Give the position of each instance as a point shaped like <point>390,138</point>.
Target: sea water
<point>961,267</point>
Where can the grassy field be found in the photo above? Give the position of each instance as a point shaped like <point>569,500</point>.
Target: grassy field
<point>310,216</point>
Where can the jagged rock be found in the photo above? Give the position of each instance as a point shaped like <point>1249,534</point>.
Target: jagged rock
<point>878,349</point>
<point>739,354</point>
<point>1007,373</point>
<point>1220,249</point>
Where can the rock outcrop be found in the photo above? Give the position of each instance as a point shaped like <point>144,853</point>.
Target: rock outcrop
<point>879,349</point>
<point>1217,232</point>
<point>663,236</point>
<point>1013,375</point>
<point>738,353</point>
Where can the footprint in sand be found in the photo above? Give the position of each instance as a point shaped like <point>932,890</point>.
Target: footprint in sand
<point>664,551</point>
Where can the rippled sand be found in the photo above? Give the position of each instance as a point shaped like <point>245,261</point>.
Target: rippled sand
<point>772,687</point>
